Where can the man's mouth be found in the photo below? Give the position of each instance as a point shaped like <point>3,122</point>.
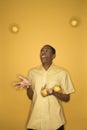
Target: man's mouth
<point>43,56</point>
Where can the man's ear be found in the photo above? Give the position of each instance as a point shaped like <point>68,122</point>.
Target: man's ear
<point>53,56</point>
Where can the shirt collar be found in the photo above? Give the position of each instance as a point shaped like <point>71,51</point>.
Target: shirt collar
<point>50,68</point>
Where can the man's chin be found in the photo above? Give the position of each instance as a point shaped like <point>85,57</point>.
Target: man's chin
<point>43,61</point>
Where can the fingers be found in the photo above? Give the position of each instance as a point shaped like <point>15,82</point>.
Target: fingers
<point>22,83</point>
<point>24,80</point>
<point>21,77</point>
<point>50,91</point>
<point>18,84</point>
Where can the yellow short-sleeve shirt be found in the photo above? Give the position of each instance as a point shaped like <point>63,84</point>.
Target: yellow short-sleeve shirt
<point>46,112</point>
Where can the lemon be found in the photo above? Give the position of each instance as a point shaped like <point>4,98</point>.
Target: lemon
<point>56,88</point>
<point>44,92</point>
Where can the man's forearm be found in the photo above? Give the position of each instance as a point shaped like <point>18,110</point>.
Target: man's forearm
<point>30,93</point>
<point>61,96</point>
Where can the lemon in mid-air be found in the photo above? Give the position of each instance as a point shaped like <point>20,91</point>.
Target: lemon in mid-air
<point>56,88</point>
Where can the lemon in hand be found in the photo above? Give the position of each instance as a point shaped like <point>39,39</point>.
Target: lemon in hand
<point>56,88</point>
<point>44,92</point>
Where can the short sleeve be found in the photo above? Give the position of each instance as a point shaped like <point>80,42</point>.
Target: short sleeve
<point>66,83</point>
<point>30,77</point>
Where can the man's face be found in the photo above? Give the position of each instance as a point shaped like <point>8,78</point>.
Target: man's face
<point>46,55</point>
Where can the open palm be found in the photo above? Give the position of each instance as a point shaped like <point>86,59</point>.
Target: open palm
<point>24,82</point>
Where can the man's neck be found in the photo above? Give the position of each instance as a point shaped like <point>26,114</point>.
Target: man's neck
<point>46,66</point>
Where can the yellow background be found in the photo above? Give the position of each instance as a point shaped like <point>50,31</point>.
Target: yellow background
<point>42,22</point>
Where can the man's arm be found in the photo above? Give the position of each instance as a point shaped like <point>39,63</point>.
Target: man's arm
<point>30,93</point>
<point>58,95</point>
<point>61,96</point>
<point>25,83</point>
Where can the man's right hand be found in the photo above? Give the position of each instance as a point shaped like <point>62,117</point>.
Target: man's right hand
<point>24,82</point>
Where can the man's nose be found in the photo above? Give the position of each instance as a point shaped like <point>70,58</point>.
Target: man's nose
<point>43,52</point>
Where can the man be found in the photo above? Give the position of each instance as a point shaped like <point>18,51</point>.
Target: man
<point>46,112</point>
